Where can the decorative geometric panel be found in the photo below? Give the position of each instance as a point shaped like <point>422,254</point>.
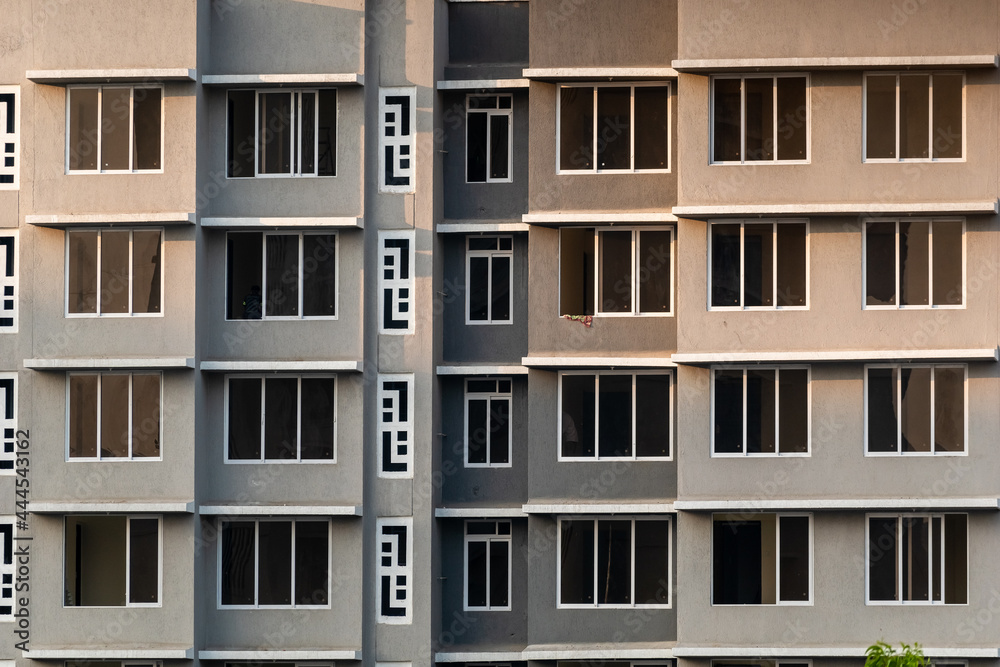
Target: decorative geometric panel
<point>395,570</point>
<point>8,421</point>
<point>395,294</point>
<point>395,426</point>
<point>8,282</point>
<point>9,137</point>
<point>7,568</point>
<point>398,118</point>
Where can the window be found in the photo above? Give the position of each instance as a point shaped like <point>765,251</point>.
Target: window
<point>271,563</point>
<point>113,663</point>
<point>915,409</point>
<point>761,559</point>
<point>281,419</point>
<point>114,272</point>
<point>914,116</point>
<point>759,410</point>
<point>762,663</point>
<point>615,415</point>
<point>487,423</point>
<point>10,133</point>
<point>489,279</point>
<point>760,118</point>
<point>614,562</point>
<point>918,559</point>
<point>282,133</point>
<point>489,141</point>
<point>281,275</point>
<point>623,128</point>
<point>487,565</point>
<point>759,264</point>
<point>615,271</point>
<point>114,416</point>
<point>114,129</point>
<point>112,561</point>
<point>914,263</point>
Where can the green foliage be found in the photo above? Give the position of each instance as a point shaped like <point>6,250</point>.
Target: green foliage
<point>881,654</point>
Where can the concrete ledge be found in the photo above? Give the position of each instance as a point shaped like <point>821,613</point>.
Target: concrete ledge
<point>598,508</point>
<point>340,78</point>
<point>481,84</point>
<point>478,369</point>
<point>602,73</point>
<point>608,651</point>
<point>832,356</point>
<point>587,217</point>
<point>479,512</point>
<point>111,506</point>
<point>264,223</point>
<point>684,651</point>
<point>130,75</point>
<point>597,362</point>
<point>835,504</point>
<point>473,227</point>
<point>73,219</point>
<point>244,509</point>
<point>348,366</point>
<point>712,65</point>
<point>988,207</point>
<point>89,653</point>
<point>111,363</point>
<point>280,654</point>
<point>486,655</point>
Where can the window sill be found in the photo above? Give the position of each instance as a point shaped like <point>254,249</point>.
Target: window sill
<point>754,163</point>
<point>604,172</point>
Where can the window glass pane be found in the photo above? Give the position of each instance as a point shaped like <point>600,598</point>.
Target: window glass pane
<point>146,415</point>
<point>614,562</point>
<point>83,416</point>
<point>758,265</point>
<point>274,565</point>
<point>916,550</point>
<point>114,415</point>
<point>576,581</point>
<point>759,118</point>
<point>240,140</point>
<point>947,116</point>
<point>115,107</point>
<point>576,128</point>
<point>914,258</point>
<point>244,418</point>
<point>499,565</point>
<point>614,131</point>
<point>483,242</point>
<point>83,128</point>
<point>882,558</point>
<point>652,134</point>
<point>616,272</point>
<point>956,559</point>
<point>144,561</point>
<point>146,137</point>
<point>915,412</point>
<point>307,136</point>
<point>319,275</point>
<point>479,284</point>
<point>578,415</point>
<point>478,432</point>
<point>880,264</point>
<point>282,277</point>
<point>653,271</point>
<point>274,136</point>
<point>318,402</point>
<point>280,418</point>
<point>793,554</point>
<point>95,565</point>
<point>615,421</point>
<point>652,415</point>
<point>793,410</point>
<point>501,289</point>
<point>728,408</point>
<point>114,271</point>
<point>312,562</point>
<point>576,271</point>
<point>791,287</point>
<point>499,153</point>
<point>476,573</point>
<point>244,258</point>
<point>935,558</point>
<point>499,431</point>
<point>760,411</point>
<point>736,562</point>
<point>145,271</point>
<point>327,133</point>
<point>880,116</point>
<point>475,157</point>
<point>652,562</point>
<point>792,118</point>
<point>947,241</point>
<point>238,553</point>
<point>725,265</point>
<point>882,410</point>
<point>949,409</point>
<point>914,108</point>
<point>82,269</point>
<point>726,135</point>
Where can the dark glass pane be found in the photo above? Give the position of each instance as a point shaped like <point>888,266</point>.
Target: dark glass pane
<point>882,410</point>
<point>615,421</point>
<point>759,118</point>
<point>244,418</point>
<point>83,416</point>
<point>500,298</point>
<point>280,418</point>
<point>576,271</point>
<point>274,563</point>
<point>652,134</point>
<point>282,278</point>
<point>327,160</point>
<point>949,409</point>
<point>83,128</point>
<point>312,562</point>
<point>307,142</point>
<point>792,118</point>
<point>914,261</point>
<point>274,133</point>
<point>146,415</point>
<point>760,411</point>
<point>947,138</point>
<point>791,287</point>
<point>736,562</point>
<point>793,558</point>
<point>576,128</point>
<point>82,287</point>
<point>880,264</point>
<point>237,567</point>
<point>483,242</point>
<point>318,403</point>
<point>935,558</point>
<point>793,410</point>
<point>114,416</point>
<point>478,434</point>
<point>144,561</point>
<point>240,139</point>
<point>653,272</point>
<point>652,415</point>
<point>499,431</point>
<point>578,415</point>
<point>882,558</point>
<point>115,107</point>
<point>914,110</point>
<point>616,272</point>
<point>319,275</point>
<point>476,150</point>
<point>499,147</point>
<point>652,562</point>
<point>947,265</point>
<point>725,265</point>
<point>726,125</point>
<point>576,585</point>
<point>476,573</point>
<point>758,265</point>
<point>728,407</point>
<point>479,286</point>
<point>915,411</point>
<point>499,573</point>
<point>244,260</point>
<point>880,116</point>
<point>956,559</point>
<point>614,562</point>
<point>114,271</point>
<point>916,557</point>
<point>146,137</point>
<point>614,131</point>
<point>145,271</point>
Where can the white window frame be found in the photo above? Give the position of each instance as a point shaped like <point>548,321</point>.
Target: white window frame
<point>256,562</point>
<point>489,254</point>
<point>633,519</point>
<point>131,272</point>
<point>128,548</point>
<point>899,516</point>
<point>489,398</point>
<point>14,138</point>
<point>487,539</point>
<point>743,114</point>
<point>777,561</point>
<point>930,118</point>
<point>762,662</point>
<point>899,422</point>
<point>489,113</point>
<point>597,417</point>
<point>930,265</point>
<point>777,411</point>
<point>98,143</point>
<point>100,376</point>
<point>301,277</point>
<point>632,85</point>
<point>298,422</point>
<point>774,268</point>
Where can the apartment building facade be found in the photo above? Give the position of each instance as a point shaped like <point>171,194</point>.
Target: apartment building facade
<point>492,332</point>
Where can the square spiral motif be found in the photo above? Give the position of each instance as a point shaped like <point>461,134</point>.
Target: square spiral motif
<point>396,282</point>
<point>7,568</point>
<point>8,283</point>
<point>9,137</point>
<point>8,421</point>
<point>395,570</point>
<point>395,426</point>
<point>397,118</point>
